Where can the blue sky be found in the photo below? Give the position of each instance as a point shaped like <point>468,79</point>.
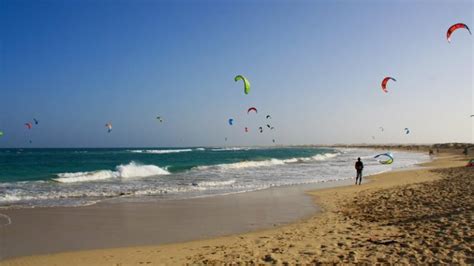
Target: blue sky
<point>315,66</point>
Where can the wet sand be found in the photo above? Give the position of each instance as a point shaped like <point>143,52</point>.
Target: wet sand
<point>409,217</point>
<point>123,224</point>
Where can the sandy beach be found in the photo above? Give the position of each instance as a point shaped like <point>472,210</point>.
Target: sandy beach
<point>414,216</point>
<point>236,132</point>
<point>123,224</point>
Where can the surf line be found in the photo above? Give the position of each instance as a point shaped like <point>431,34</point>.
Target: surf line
<point>8,219</point>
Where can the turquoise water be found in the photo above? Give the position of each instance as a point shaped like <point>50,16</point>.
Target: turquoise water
<point>44,164</point>
<point>74,177</point>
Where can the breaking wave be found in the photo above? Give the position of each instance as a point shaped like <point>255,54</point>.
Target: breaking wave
<point>161,151</point>
<point>231,149</point>
<point>130,170</point>
<point>267,163</point>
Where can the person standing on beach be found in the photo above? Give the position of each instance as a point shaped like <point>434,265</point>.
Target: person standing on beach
<point>359,166</point>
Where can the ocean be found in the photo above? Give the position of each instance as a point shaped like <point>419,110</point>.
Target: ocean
<point>78,177</point>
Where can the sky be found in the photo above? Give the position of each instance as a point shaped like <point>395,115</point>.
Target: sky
<point>314,66</point>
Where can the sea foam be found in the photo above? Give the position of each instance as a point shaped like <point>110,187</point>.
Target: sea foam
<point>231,149</point>
<point>161,151</point>
<point>216,183</point>
<point>267,163</point>
<point>130,170</point>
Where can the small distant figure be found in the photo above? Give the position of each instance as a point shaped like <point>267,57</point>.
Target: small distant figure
<point>359,166</point>
<point>465,152</point>
<point>437,150</point>
<point>431,152</point>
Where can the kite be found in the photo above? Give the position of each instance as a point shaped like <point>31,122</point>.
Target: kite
<point>454,28</point>
<point>159,119</point>
<point>246,129</point>
<point>384,83</point>
<point>407,130</point>
<point>246,83</point>
<point>269,126</point>
<point>28,125</point>
<point>388,155</point>
<point>261,129</point>
<point>36,121</point>
<point>252,109</point>
<point>470,163</point>
<point>382,129</point>
<point>109,127</point>
<point>273,140</point>
<point>269,117</point>
<point>231,121</point>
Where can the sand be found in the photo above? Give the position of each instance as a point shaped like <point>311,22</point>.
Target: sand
<point>417,216</point>
<point>120,223</point>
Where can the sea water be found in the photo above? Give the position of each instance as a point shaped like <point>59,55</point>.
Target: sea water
<point>77,177</point>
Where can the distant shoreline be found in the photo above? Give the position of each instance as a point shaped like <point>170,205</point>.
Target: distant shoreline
<point>443,145</point>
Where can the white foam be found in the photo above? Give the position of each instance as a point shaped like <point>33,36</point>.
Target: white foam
<point>136,170</point>
<point>267,163</point>
<point>216,183</point>
<point>19,195</point>
<point>292,160</point>
<point>85,176</point>
<point>161,151</point>
<point>231,149</point>
<point>244,164</point>
<point>13,197</point>
<point>323,157</point>
<point>318,157</point>
<point>130,170</point>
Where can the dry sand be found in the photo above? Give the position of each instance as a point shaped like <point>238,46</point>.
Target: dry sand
<point>411,217</point>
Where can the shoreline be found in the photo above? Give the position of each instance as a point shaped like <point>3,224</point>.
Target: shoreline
<point>127,196</point>
<point>194,251</point>
<point>122,223</point>
<point>75,227</point>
